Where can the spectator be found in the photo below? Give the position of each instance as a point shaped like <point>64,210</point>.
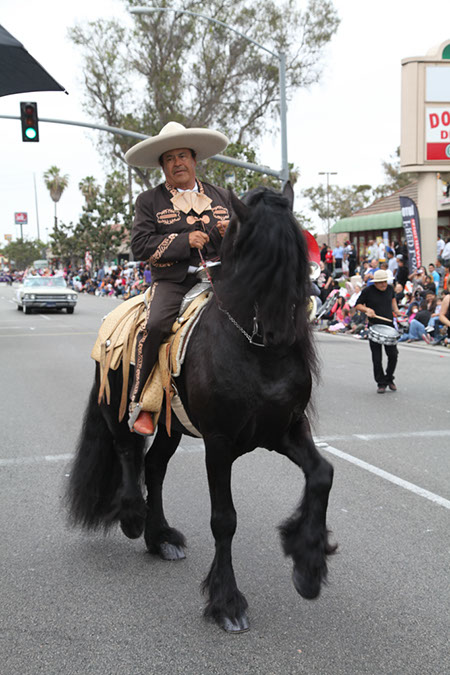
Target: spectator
<point>418,325</point>
<point>372,250</point>
<point>338,255</point>
<point>434,274</point>
<point>402,273</point>
<point>329,260</point>
<point>440,247</point>
<point>446,252</point>
<point>373,267</point>
<point>384,266</point>
<point>444,315</point>
<point>350,257</point>
<point>399,293</point>
<point>392,261</point>
<point>446,281</point>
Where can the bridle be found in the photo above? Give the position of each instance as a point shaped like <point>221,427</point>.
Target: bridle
<point>255,332</point>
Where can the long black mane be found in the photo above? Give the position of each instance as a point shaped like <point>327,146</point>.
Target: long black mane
<point>265,263</point>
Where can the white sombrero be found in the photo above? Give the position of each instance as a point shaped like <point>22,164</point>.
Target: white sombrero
<point>205,142</point>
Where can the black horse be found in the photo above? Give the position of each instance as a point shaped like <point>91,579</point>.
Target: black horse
<point>246,383</point>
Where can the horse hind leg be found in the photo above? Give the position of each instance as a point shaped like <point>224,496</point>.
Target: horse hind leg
<point>160,538</point>
<point>304,535</point>
<point>130,503</point>
<point>128,506</point>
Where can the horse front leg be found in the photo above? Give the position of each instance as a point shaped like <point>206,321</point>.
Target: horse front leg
<point>225,603</point>
<point>304,535</point>
<point>160,538</point>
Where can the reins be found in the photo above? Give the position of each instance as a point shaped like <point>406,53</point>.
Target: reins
<point>255,332</point>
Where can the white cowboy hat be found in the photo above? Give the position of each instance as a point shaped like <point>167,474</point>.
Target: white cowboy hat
<point>205,142</point>
<point>380,275</point>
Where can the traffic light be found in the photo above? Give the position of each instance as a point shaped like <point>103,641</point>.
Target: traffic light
<point>29,119</point>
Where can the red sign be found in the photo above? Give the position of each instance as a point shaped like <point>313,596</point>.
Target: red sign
<point>21,218</point>
<point>438,151</point>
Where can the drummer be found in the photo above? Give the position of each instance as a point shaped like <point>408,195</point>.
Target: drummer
<point>378,300</point>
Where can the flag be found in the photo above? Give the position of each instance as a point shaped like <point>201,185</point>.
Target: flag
<point>411,225</point>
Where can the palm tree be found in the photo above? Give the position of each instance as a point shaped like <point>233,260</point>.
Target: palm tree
<point>56,184</point>
<point>89,189</point>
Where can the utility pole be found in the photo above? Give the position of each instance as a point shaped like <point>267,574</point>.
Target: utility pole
<point>328,174</point>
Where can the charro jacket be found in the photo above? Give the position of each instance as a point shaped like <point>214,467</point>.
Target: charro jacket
<point>160,232</point>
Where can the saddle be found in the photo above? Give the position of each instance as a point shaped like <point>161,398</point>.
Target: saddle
<point>116,345</point>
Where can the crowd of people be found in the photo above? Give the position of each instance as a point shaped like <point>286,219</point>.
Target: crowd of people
<point>421,295</point>
<point>120,281</point>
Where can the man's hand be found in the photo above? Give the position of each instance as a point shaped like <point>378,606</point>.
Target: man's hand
<point>198,239</point>
<point>222,226</point>
<point>370,312</point>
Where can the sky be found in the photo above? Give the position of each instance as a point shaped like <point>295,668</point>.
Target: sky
<point>348,123</point>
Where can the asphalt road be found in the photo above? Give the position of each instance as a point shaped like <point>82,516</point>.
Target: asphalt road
<point>74,603</point>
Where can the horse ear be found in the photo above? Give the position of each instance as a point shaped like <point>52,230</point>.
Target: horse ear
<point>288,192</point>
<point>240,209</point>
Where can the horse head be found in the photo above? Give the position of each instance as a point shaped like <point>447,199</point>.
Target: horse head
<point>265,263</point>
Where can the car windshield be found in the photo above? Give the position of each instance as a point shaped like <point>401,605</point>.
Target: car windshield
<point>46,282</point>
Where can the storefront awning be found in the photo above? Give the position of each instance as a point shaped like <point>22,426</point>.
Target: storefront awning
<point>375,221</point>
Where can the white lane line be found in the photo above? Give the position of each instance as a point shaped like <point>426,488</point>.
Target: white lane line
<point>431,496</point>
<point>430,433</point>
<point>14,461</point>
<point>38,335</point>
<point>44,317</point>
<point>386,475</point>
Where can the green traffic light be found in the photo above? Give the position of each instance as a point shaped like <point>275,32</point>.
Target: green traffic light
<point>30,133</point>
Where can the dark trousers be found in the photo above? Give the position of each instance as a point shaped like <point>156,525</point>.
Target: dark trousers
<point>382,378</point>
<point>162,310</point>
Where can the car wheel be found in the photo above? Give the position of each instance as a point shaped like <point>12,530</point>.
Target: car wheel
<point>69,310</point>
<point>19,308</point>
<point>27,310</point>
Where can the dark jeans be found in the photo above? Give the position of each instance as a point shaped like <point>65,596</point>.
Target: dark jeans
<point>382,378</point>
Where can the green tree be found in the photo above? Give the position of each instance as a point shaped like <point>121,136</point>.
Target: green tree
<point>55,184</point>
<point>22,253</point>
<point>172,66</point>
<point>343,201</point>
<point>394,179</point>
<point>104,225</point>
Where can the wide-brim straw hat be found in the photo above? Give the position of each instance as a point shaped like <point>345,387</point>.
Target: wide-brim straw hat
<point>205,143</point>
<point>380,275</point>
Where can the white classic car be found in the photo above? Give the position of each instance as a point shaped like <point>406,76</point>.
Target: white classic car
<point>45,293</point>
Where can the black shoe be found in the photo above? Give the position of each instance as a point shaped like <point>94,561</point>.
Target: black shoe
<point>381,389</point>
<point>392,386</point>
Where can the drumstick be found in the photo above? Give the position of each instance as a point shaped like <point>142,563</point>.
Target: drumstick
<point>383,318</point>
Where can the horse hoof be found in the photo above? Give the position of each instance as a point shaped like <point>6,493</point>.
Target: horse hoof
<point>240,625</point>
<point>308,589</point>
<point>171,552</point>
<point>132,528</point>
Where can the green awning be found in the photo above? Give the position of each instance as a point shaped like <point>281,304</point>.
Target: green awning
<point>375,221</point>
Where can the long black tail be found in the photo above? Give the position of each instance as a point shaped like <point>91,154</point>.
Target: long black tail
<point>95,475</point>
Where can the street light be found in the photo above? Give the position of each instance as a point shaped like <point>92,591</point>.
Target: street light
<point>328,174</point>
<point>281,56</point>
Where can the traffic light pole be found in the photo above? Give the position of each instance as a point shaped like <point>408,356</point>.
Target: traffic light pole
<point>134,134</point>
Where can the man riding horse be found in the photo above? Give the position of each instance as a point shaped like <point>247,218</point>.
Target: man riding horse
<point>177,225</point>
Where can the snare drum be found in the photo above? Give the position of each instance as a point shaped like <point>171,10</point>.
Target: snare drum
<point>384,335</point>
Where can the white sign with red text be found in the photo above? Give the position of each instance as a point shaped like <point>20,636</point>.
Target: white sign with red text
<point>437,133</point>
<point>21,218</point>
